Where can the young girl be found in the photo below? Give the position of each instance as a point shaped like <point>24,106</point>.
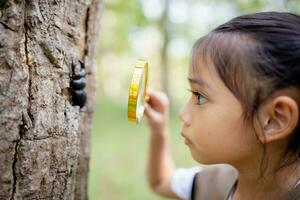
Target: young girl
<point>242,119</point>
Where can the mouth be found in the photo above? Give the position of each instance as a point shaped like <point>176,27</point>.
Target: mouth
<point>186,140</point>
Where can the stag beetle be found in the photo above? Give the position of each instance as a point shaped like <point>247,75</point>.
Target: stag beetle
<point>77,84</point>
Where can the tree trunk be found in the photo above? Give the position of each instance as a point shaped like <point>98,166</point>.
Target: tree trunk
<point>44,140</point>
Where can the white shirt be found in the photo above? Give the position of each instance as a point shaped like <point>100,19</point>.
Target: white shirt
<point>182,181</point>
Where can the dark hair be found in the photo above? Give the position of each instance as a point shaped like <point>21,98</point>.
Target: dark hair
<point>256,55</point>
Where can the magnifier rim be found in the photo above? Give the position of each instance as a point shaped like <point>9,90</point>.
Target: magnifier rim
<point>140,68</point>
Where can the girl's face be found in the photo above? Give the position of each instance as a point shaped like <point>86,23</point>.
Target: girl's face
<point>213,125</point>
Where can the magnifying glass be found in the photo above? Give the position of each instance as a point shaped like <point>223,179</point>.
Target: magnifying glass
<point>138,92</point>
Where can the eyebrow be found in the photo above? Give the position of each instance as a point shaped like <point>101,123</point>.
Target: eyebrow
<point>199,82</point>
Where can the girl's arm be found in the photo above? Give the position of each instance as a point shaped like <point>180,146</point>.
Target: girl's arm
<point>160,167</point>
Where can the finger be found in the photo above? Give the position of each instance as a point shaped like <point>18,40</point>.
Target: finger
<point>157,99</point>
<point>151,113</point>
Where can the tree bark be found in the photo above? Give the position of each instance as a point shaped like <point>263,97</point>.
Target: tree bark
<point>44,140</point>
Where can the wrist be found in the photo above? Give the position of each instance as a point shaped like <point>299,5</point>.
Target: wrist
<point>160,132</point>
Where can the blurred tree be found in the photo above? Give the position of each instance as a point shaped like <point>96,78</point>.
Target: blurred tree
<point>44,140</point>
<point>125,16</point>
<point>122,18</point>
<point>119,19</point>
<point>164,27</point>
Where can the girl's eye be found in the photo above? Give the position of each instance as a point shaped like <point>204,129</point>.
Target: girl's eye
<point>201,99</point>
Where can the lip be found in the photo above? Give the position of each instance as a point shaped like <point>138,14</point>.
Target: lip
<point>186,140</point>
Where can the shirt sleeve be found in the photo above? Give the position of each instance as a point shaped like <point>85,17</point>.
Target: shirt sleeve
<point>182,181</point>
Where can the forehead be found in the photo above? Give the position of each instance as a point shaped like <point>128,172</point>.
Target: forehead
<point>200,62</point>
<point>221,54</point>
<point>211,56</point>
<point>204,76</point>
<point>200,71</point>
<point>200,67</point>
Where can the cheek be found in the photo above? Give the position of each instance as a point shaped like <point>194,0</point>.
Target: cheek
<point>219,137</point>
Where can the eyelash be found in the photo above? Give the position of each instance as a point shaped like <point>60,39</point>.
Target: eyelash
<point>198,95</point>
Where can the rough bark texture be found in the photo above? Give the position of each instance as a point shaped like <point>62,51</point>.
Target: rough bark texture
<point>44,140</point>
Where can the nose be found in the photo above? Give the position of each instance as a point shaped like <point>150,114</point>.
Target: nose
<point>184,115</point>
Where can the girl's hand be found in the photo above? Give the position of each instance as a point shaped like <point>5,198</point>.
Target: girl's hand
<point>157,111</point>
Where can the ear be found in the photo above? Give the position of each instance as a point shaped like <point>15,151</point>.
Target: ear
<point>277,119</point>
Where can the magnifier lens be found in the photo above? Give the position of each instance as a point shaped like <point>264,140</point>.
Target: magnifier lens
<point>140,103</point>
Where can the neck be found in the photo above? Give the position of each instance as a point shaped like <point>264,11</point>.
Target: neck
<point>273,184</point>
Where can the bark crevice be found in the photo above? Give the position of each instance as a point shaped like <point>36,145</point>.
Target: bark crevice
<point>29,70</point>
<point>27,118</point>
<point>6,26</point>
<point>14,170</point>
<point>86,50</point>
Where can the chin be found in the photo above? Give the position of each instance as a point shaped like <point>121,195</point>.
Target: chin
<point>202,159</point>
<point>199,158</point>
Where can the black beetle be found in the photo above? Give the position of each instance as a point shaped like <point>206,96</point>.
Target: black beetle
<point>78,98</point>
<point>77,84</point>
<point>80,74</point>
